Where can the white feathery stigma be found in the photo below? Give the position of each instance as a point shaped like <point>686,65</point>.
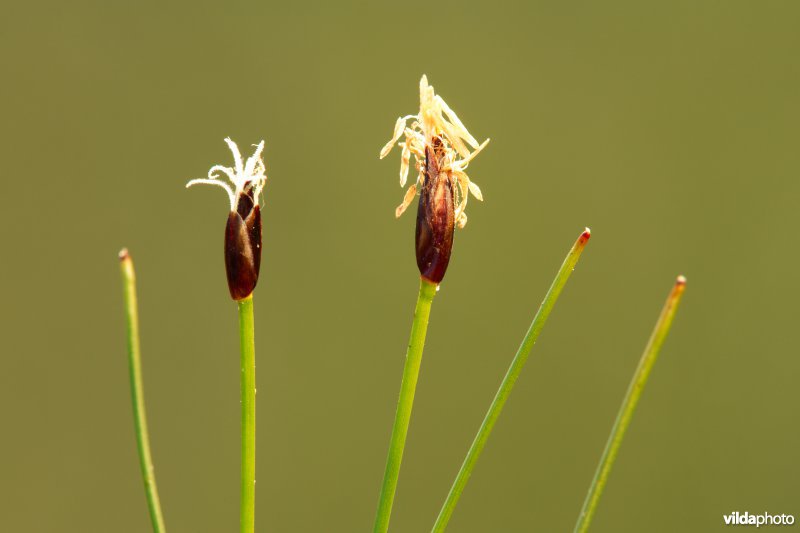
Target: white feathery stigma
<point>251,173</point>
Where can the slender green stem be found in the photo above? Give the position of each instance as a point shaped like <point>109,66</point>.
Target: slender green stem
<point>247,509</point>
<point>137,391</point>
<point>628,406</point>
<point>416,343</point>
<point>508,382</point>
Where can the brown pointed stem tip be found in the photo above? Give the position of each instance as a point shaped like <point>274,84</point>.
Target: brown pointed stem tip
<point>243,246</point>
<point>677,290</point>
<point>673,299</point>
<point>126,263</point>
<point>587,233</point>
<point>435,217</point>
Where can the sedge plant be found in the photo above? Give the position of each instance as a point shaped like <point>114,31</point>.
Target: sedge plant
<point>137,391</point>
<point>629,404</point>
<point>442,148</point>
<point>242,265</point>
<point>507,384</point>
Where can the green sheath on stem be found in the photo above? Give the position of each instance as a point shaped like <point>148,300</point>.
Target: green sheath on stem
<point>137,391</point>
<point>427,290</point>
<point>628,406</point>
<point>508,382</point>
<point>248,391</point>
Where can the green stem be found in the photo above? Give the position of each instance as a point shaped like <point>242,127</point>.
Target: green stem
<point>248,390</point>
<point>427,290</point>
<point>137,391</point>
<point>628,406</point>
<point>508,382</point>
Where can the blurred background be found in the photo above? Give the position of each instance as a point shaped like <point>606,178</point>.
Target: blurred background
<point>671,130</point>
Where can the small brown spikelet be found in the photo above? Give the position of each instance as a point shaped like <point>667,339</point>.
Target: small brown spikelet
<point>243,246</point>
<point>442,149</point>
<point>435,217</point>
<point>243,228</point>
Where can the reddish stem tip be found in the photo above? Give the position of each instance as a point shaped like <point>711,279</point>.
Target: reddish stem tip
<point>681,281</point>
<point>123,254</point>
<point>585,235</point>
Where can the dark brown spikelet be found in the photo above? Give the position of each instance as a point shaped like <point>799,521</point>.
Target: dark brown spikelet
<point>435,217</point>
<point>243,246</point>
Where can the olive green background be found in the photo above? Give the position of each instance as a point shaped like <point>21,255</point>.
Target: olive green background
<point>671,129</point>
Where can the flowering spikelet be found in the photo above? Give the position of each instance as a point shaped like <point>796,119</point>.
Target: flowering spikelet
<point>243,228</point>
<point>442,149</point>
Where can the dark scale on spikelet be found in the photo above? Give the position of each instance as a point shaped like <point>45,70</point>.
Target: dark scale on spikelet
<point>435,217</point>
<point>243,246</point>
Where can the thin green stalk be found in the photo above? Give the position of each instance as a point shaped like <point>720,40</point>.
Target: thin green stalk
<point>419,328</point>
<point>137,391</point>
<point>628,406</point>
<point>508,382</point>
<point>247,509</point>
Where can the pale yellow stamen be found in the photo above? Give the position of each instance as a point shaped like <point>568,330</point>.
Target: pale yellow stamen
<point>436,120</point>
<point>405,157</point>
<point>475,190</point>
<point>407,199</point>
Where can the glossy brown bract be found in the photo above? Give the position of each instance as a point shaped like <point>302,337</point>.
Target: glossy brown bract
<point>243,246</point>
<point>435,217</point>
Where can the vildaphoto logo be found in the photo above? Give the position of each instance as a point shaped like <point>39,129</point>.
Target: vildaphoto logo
<point>746,519</point>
